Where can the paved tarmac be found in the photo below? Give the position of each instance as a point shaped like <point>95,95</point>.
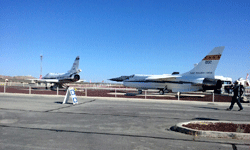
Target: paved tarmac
<point>42,122</point>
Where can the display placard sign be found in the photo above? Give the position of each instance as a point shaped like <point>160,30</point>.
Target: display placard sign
<point>70,91</point>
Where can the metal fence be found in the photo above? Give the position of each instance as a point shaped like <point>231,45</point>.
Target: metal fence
<point>113,91</point>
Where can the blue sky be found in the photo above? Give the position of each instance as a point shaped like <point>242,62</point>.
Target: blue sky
<point>122,37</point>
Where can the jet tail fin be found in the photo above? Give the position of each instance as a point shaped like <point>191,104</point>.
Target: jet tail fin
<point>75,66</point>
<point>208,65</point>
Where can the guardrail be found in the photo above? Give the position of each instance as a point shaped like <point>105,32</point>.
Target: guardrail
<point>109,91</point>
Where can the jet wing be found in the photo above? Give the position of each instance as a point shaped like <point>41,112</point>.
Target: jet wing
<point>166,77</point>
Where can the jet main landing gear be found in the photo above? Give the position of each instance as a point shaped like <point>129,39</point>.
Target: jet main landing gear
<point>139,91</point>
<point>161,92</point>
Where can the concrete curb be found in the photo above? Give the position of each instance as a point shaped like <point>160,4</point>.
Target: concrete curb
<point>212,134</point>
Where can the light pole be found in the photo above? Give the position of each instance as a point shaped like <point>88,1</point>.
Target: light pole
<point>41,56</point>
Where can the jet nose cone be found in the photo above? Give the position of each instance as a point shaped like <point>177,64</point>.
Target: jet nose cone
<point>119,79</point>
<point>116,79</point>
<point>113,79</point>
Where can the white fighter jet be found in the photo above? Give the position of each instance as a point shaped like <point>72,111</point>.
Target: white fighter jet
<point>244,82</point>
<point>58,79</point>
<point>201,77</point>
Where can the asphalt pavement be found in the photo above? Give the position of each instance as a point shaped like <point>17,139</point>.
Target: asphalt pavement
<point>43,122</point>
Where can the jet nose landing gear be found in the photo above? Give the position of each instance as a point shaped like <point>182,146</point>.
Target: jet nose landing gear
<point>139,91</point>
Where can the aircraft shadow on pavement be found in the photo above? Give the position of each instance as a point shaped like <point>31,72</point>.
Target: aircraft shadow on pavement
<point>210,108</point>
<point>131,94</point>
<point>62,89</point>
<point>205,119</point>
<point>62,102</point>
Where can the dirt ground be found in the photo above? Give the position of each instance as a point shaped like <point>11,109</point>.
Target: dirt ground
<point>222,127</point>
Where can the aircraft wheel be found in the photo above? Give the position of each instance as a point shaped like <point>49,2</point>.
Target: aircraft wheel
<point>139,91</point>
<point>161,92</point>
